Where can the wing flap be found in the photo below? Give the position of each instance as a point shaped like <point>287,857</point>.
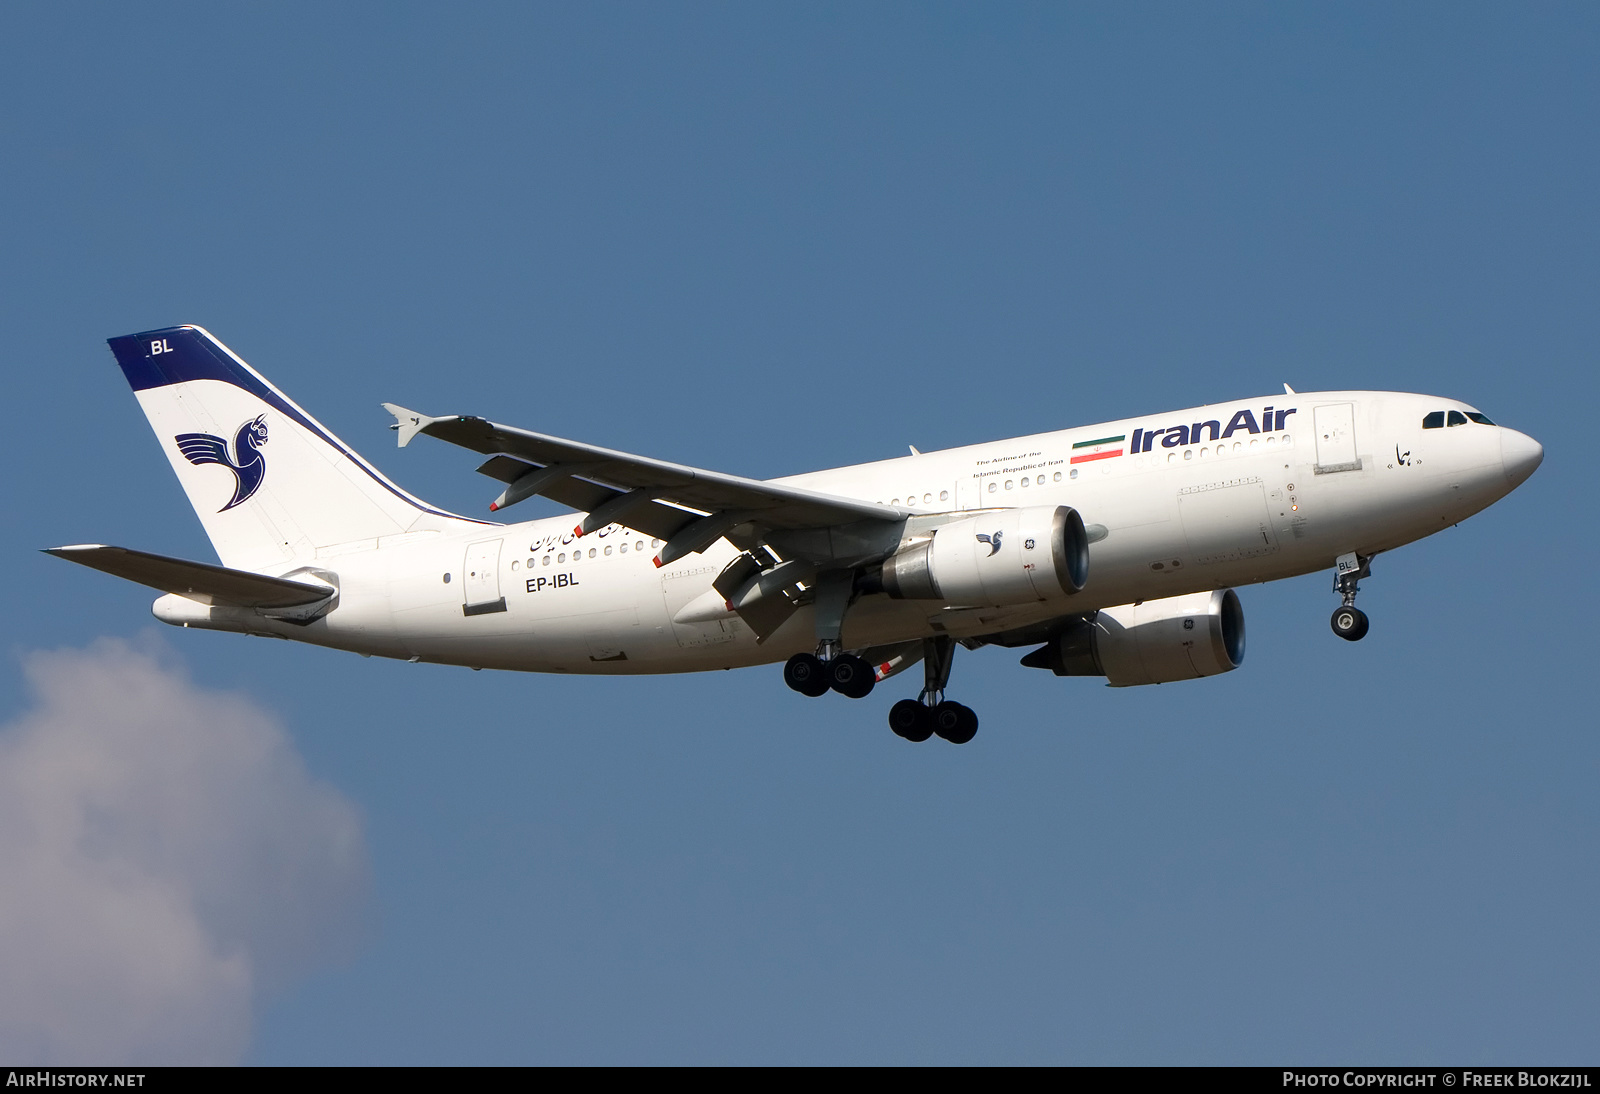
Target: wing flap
<point>198,581</point>
<point>688,488</point>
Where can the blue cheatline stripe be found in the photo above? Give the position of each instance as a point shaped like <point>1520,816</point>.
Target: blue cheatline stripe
<point>188,353</point>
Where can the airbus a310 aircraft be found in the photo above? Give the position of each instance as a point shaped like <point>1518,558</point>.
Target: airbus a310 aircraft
<point>1111,549</point>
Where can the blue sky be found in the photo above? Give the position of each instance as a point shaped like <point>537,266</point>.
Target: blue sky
<point>769,239</point>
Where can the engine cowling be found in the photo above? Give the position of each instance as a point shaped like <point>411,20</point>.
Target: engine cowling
<point>1152,642</point>
<point>1008,556</point>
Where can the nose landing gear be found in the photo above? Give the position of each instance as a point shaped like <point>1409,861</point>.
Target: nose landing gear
<point>1350,622</point>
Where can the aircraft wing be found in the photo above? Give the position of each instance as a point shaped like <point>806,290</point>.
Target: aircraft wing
<point>199,581</point>
<point>682,505</point>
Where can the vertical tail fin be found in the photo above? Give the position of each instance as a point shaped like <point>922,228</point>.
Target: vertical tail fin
<point>269,483</point>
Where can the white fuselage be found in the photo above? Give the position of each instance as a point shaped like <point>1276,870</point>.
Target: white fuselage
<point>1191,500</point>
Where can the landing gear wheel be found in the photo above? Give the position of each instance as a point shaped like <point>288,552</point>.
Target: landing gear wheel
<point>1349,623</point>
<point>954,722</point>
<point>850,676</point>
<point>911,720</point>
<point>805,674</point>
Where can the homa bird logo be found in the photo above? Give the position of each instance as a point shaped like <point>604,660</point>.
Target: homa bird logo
<point>248,465</point>
<point>993,541</point>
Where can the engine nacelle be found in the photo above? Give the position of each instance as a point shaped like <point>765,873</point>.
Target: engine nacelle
<point>1152,642</point>
<point>1008,556</point>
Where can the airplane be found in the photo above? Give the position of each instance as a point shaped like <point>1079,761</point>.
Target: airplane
<point>1112,549</point>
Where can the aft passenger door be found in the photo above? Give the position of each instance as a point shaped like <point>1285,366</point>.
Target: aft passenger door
<point>481,579</point>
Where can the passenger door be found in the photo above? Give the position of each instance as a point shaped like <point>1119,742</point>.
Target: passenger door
<point>481,579</point>
<point>1336,437</point>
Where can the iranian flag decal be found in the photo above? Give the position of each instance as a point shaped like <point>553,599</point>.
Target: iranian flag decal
<point>1102,449</point>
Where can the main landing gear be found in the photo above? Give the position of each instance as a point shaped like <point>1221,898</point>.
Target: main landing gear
<point>1350,622</point>
<point>845,673</point>
<point>830,669</point>
<point>930,713</point>
<point>917,719</point>
<point>814,674</point>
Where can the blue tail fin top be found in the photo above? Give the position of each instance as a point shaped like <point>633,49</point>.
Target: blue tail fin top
<point>156,358</point>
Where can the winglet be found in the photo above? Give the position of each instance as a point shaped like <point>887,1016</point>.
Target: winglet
<point>1287,390</point>
<point>408,423</point>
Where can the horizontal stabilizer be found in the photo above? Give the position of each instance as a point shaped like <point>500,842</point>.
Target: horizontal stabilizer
<point>198,581</point>
<point>408,423</point>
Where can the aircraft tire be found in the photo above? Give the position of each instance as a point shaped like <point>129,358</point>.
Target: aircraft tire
<point>954,722</point>
<point>805,674</point>
<point>850,676</point>
<point>911,720</point>
<point>1349,624</point>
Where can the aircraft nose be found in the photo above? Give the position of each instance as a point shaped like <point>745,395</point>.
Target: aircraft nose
<point>1520,454</point>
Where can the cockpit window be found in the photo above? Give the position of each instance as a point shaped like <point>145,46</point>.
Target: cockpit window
<point>1434,420</point>
<point>1481,419</point>
<point>1457,418</point>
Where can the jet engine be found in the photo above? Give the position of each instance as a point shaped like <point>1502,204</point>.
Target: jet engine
<point>1151,642</point>
<point>1006,556</point>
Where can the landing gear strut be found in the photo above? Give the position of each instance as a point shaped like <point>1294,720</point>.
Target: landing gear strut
<point>1350,622</point>
<point>920,718</point>
<point>815,673</point>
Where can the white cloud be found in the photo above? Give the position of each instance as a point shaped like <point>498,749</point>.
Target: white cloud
<point>164,859</point>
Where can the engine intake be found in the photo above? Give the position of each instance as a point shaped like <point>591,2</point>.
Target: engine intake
<point>1152,642</point>
<point>1006,556</point>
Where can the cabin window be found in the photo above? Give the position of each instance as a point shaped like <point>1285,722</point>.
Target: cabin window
<point>1026,482</point>
<point>547,560</point>
<point>1074,473</point>
<point>1481,419</point>
<point>639,546</point>
<point>1434,420</point>
<point>993,486</point>
<point>1058,476</point>
<point>591,552</point>
<point>1039,480</point>
<point>562,557</point>
<point>608,551</point>
<point>944,495</point>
